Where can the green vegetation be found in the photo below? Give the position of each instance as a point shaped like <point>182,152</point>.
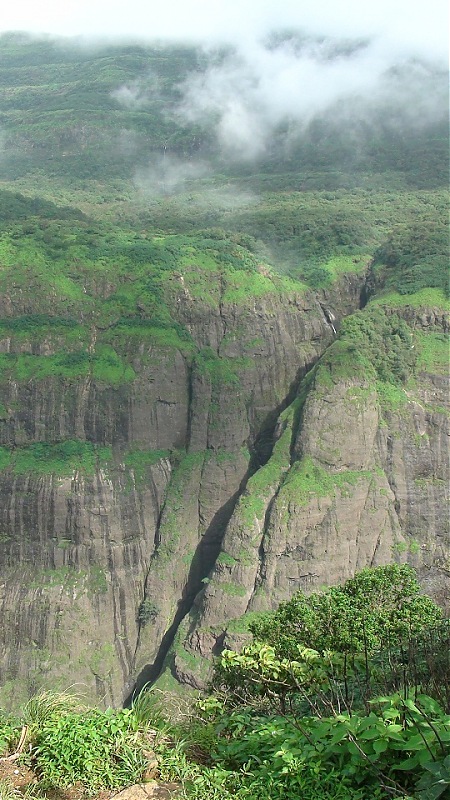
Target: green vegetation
<point>233,589</point>
<point>425,298</point>
<point>92,581</point>
<point>177,497</point>
<point>147,611</point>
<point>415,256</point>
<point>321,205</point>
<point>373,343</point>
<point>60,458</point>
<point>69,743</point>
<point>341,695</point>
<point>433,352</point>
<point>307,479</point>
<point>222,372</point>
<point>262,485</point>
<point>106,269</point>
<point>71,455</point>
<point>368,612</point>
<point>104,366</point>
<point>140,460</point>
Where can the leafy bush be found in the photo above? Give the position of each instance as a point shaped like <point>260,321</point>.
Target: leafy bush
<point>385,750</point>
<point>365,612</point>
<point>147,611</point>
<point>338,647</point>
<point>9,733</point>
<point>301,702</point>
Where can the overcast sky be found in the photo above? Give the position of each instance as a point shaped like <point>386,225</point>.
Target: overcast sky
<point>406,25</point>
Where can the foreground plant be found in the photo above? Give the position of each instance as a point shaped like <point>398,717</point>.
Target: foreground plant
<point>301,694</point>
<point>73,744</point>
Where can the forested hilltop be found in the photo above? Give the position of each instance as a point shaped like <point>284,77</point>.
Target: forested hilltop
<point>223,362</point>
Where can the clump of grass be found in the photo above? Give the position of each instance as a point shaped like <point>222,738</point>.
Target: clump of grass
<point>49,705</point>
<point>9,734</point>
<point>7,790</point>
<point>72,744</point>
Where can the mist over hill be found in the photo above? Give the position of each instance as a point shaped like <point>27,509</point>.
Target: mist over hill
<point>292,104</point>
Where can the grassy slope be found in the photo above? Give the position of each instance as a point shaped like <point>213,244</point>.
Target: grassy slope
<point>68,137</point>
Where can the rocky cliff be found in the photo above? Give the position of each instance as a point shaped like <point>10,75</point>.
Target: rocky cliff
<point>358,476</point>
<point>117,488</point>
<point>213,473</point>
<point>187,435</point>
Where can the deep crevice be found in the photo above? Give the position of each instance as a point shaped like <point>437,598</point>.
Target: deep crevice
<point>264,441</point>
<point>209,547</point>
<point>203,561</point>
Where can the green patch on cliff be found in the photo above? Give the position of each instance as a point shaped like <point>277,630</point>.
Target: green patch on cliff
<point>264,483</point>
<point>320,273</point>
<point>307,479</point>
<point>231,589</point>
<point>36,324</point>
<point>178,496</point>
<point>90,581</point>
<point>242,624</point>
<point>372,345</point>
<point>345,264</point>
<point>108,367</point>
<point>359,396</point>
<point>194,661</point>
<point>226,559</point>
<point>61,459</point>
<point>160,333</point>
<point>433,353</point>
<point>221,371</point>
<point>391,397</point>
<point>242,287</point>
<point>141,459</point>
<point>425,298</point>
<point>104,366</point>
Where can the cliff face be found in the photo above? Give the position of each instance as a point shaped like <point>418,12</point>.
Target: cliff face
<point>185,435</point>
<point>358,476</point>
<point>215,477</point>
<point>115,497</point>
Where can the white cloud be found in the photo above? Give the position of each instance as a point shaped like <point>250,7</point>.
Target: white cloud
<point>167,175</point>
<point>257,87</point>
